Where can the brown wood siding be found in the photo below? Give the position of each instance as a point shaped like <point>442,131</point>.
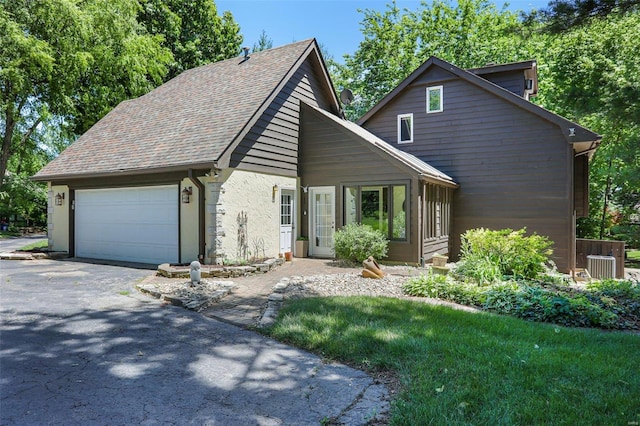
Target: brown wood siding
<point>513,81</point>
<point>271,146</point>
<point>331,156</point>
<point>514,168</point>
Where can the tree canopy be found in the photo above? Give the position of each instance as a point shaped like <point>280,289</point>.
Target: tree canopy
<point>193,30</point>
<point>65,64</point>
<point>588,73</point>
<point>470,33</point>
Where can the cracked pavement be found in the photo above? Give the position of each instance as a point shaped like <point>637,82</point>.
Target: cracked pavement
<point>78,345</point>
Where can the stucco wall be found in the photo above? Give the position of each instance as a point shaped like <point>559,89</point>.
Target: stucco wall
<point>58,219</point>
<point>237,196</point>
<point>189,224</point>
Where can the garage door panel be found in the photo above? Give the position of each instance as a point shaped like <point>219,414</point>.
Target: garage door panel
<point>130,224</point>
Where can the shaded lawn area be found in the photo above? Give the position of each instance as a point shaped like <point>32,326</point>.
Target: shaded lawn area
<point>633,259</point>
<point>457,367</point>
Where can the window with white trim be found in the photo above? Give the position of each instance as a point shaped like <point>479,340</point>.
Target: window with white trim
<point>405,128</point>
<point>434,99</point>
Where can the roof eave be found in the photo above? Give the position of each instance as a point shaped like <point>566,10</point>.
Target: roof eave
<point>129,172</point>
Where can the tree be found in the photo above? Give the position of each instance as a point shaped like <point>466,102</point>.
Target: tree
<point>193,31</point>
<point>263,43</point>
<point>470,34</point>
<point>65,64</point>
<point>562,15</point>
<point>594,71</point>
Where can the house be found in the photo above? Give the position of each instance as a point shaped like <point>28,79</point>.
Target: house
<point>208,166</point>
<point>517,164</point>
<point>237,158</point>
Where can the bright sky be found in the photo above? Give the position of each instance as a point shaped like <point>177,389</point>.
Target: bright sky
<point>334,23</point>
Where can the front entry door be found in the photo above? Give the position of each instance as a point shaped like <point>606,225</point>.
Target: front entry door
<point>286,220</point>
<point>321,220</point>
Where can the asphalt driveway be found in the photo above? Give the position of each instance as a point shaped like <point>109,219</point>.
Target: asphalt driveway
<point>78,345</point>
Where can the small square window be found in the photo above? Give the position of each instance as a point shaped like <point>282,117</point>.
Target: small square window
<point>434,99</point>
<point>405,128</point>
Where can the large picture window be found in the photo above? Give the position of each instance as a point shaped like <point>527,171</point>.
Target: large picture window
<point>383,207</point>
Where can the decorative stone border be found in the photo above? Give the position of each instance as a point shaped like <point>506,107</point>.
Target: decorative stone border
<point>217,271</point>
<point>28,255</point>
<point>187,295</point>
<point>274,303</point>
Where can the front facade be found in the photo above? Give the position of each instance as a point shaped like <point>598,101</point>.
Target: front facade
<point>210,166</point>
<point>517,164</point>
<point>235,160</point>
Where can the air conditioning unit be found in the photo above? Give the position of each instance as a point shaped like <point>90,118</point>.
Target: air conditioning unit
<point>600,267</point>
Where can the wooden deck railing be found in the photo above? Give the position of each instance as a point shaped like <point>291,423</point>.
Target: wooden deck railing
<point>585,248</point>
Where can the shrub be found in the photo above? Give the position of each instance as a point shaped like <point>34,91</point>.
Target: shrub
<point>488,255</point>
<point>445,288</point>
<point>356,242</point>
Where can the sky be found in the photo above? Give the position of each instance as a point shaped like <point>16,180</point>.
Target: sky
<point>334,23</point>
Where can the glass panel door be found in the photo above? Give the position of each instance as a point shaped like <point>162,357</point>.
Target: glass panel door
<point>322,221</point>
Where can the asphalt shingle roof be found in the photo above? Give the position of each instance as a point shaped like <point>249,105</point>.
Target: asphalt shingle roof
<point>190,119</point>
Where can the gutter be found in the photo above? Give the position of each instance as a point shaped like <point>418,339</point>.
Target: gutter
<point>201,215</point>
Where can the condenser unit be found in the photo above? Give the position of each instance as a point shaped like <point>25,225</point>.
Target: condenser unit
<point>600,267</point>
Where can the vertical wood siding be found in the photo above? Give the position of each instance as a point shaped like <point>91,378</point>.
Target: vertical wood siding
<point>514,168</point>
<point>271,146</point>
<point>330,156</point>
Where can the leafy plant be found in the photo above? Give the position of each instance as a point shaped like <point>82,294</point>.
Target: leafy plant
<point>487,255</point>
<point>356,242</point>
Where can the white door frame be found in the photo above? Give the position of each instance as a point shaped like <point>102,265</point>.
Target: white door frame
<point>321,243</point>
<point>291,227</point>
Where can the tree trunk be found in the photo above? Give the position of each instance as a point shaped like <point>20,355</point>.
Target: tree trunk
<point>6,144</point>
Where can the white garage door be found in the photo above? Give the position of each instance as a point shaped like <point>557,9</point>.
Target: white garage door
<point>128,224</point>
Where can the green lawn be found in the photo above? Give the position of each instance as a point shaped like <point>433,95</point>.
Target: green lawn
<point>460,368</point>
<point>633,259</point>
<point>38,245</point>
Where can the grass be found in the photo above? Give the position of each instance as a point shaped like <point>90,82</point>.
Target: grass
<point>633,259</point>
<point>460,368</point>
<point>33,246</point>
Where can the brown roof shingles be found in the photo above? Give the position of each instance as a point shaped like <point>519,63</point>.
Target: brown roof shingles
<point>189,120</point>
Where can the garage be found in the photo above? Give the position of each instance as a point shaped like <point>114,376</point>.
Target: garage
<point>128,224</point>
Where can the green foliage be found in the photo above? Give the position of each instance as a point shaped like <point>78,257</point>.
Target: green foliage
<point>65,64</point>
<point>468,33</point>
<point>486,255</point>
<point>562,15</point>
<point>453,365</point>
<point>193,30</point>
<point>440,286</point>
<point>356,242</point>
<point>26,201</point>
<point>608,304</point>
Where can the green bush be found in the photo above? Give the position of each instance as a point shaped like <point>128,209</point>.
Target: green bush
<point>486,256</point>
<point>446,288</point>
<point>603,304</point>
<point>356,242</point>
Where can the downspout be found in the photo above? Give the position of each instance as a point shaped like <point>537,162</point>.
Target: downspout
<point>201,215</point>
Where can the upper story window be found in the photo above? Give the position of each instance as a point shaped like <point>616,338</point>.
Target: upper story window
<point>434,99</point>
<point>405,128</point>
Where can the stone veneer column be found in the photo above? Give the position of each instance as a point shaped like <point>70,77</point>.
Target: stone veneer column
<point>215,231</point>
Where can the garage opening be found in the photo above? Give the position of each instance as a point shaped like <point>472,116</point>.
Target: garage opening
<point>128,224</point>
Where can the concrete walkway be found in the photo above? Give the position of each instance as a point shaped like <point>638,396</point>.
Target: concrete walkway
<point>244,305</point>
